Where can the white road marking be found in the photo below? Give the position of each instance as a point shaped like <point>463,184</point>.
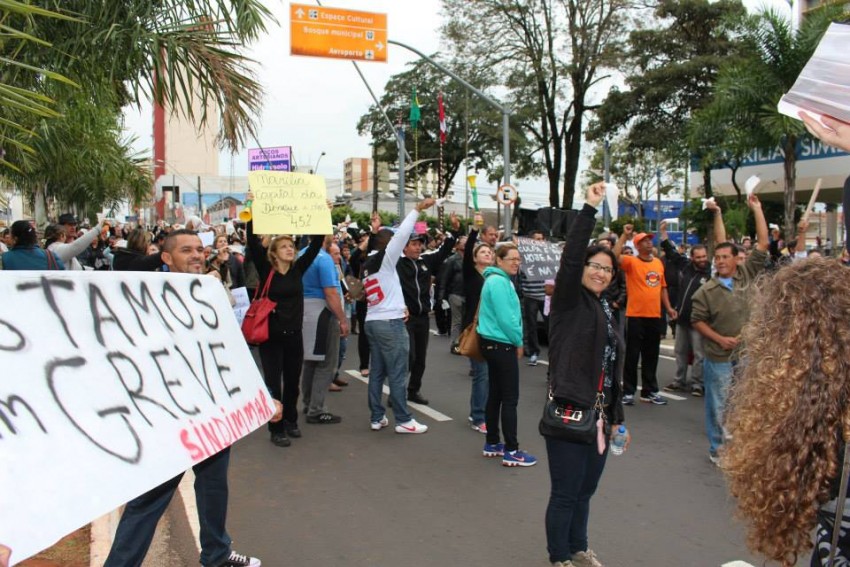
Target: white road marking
<point>543,362</point>
<point>429,411</point>
<point>737,564</point>
<point>672,396</point>
<point>666,357</point>
<point>190,506</point>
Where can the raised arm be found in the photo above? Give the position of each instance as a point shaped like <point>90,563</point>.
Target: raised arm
<point>402,235</point>
<point>628,233</point>
<point>719,227</point>
<point>669,248</point>
<point>258,252</point>
<point>761,224</point>
<point>73,249</point>
<point>306,259</point>
<point>568,279</point>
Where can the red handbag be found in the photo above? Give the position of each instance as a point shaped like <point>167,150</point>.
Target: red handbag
<point>255,326</point>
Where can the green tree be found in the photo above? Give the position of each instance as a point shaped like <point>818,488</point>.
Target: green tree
<point>168,51</point>
<point>13,98</point>
<point>549,54</point>
<point>473,133</point>
<point>674,63</point>
<point>748,89</point>
<point>636,172</point>
<point>80,158</point>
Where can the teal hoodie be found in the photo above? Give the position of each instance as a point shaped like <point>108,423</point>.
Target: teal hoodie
<point>499,315</point>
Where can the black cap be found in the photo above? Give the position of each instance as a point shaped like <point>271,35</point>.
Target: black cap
<point>420,237</point>
<point>67,218</point>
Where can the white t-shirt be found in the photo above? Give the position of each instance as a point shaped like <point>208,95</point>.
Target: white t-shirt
<point>384,298</point>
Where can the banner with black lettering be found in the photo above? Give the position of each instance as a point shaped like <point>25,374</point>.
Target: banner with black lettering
<point>112,383</point>
<point>540,258</point>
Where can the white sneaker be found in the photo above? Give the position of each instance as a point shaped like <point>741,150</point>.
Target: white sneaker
<point>586,559</point>
<point>532,361</point>
<point>411,426</point>
<point>380,424</point>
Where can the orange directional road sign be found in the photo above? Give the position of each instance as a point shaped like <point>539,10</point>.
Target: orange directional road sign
<point>341,34</point>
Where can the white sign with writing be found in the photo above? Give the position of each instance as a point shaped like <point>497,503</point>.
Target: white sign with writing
<point>112,383</point>
<point>243,302</point>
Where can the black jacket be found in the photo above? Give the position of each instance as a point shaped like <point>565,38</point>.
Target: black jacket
<point>125,260</point>
<point>451,278</point>
<point>415,277</point>
<point>578,331</point>
<point>690,280</point>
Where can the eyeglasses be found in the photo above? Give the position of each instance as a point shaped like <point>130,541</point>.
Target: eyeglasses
<point>517,259</point>
<point>600,268</point>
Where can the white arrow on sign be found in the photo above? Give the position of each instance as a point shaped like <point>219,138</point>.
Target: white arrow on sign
<point>300,13</point>
<point>380,46</point>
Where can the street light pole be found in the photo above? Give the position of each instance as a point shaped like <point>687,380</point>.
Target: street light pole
<point>315,170</point>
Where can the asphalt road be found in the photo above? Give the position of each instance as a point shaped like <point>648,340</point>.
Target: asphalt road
<point>344,495</point>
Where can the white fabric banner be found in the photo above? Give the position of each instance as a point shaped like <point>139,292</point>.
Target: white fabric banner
<point>112,383</point>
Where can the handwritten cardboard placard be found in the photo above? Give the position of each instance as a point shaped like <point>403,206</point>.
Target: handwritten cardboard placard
<point>243,303</point>
<point>289,203</point>
<point>112,383</point>
<point>540,259</point>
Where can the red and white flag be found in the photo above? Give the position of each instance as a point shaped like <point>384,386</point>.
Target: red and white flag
<point>442,118</point>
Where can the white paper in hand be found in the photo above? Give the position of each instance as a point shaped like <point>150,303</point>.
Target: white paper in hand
<point>440,201</point>
<point>706,201</point>
<point>751,185</point>
<point>612,194</point>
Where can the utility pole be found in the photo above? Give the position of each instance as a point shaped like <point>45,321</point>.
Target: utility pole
<point>506,147</point>
<point>401,154</point>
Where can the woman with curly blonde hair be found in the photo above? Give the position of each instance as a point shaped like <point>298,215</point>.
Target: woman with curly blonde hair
<point>788,415</point>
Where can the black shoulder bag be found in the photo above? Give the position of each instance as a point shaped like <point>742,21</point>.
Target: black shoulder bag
<point>571,423</point>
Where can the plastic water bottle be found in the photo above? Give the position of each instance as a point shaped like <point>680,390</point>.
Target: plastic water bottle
<point>618,442</point>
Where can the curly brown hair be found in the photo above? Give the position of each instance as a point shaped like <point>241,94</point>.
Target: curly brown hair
<point>787,410</point>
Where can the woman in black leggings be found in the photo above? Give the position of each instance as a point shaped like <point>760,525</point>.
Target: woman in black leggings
<point>283,354</point>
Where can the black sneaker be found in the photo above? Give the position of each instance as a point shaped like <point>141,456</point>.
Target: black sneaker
<point>239,560</point>
<point>293,431</point>
<point>416,398</point>
<point>324,418</point>
<point>697,392</point>
<point>281,440</point>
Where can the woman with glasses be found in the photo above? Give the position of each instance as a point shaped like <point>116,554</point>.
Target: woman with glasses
<point>584,346</point>
<point>500,330</point>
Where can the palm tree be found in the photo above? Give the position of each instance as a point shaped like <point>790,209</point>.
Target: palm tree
<point>172,52</point>
<point>749,88</point>
<point>12,97</point>
<point>168,51</point>
<point>80,158</point>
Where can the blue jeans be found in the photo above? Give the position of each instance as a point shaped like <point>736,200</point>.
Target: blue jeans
<point>141,515</point>
<point>389,348</point>
<point>478,396</point>
<point>574,470</point>
<point>716,376</point>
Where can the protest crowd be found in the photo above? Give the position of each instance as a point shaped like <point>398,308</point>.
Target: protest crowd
<point>774,426</point>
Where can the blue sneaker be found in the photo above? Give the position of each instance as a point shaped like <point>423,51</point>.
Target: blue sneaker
<point>654,399</point>
<point>628,400</point>
<point>518,459</point>
<point>496,450</point>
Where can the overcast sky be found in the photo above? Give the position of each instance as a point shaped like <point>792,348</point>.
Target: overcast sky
<point>313,104</point>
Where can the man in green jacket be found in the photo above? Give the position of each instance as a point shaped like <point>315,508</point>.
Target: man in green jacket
<point>719,311</point>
